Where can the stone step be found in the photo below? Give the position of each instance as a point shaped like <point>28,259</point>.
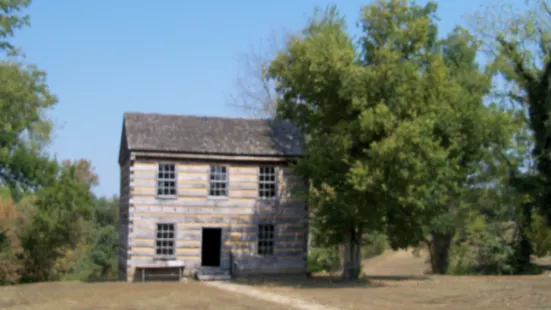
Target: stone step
<point>208,270</point>
<point>214,277</point>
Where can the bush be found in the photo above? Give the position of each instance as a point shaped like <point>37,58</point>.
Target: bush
<point>493,252</point>
<point>375,244</point>
<point>323,259</point>
<point>483,248</point>
<point>540,236</point>
<point>10,266</point>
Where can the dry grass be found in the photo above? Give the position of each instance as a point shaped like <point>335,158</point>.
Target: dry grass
<point>124,296</point>
<point>396,281</point>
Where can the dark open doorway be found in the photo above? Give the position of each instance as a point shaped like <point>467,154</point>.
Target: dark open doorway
<point>211,247</point>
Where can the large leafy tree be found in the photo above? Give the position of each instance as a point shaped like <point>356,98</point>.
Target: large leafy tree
<point>24,100</point>
<point>12,18</point>
<point>523,58</point>
<point>396,126</point>
<point>58,222</point>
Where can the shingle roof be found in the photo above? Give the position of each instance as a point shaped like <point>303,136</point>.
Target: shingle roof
<point>212,135</point>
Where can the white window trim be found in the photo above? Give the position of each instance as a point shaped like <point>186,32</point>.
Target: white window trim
<point>276,183</point>
<point>162,196</point>
<point>225,181</point>
<point>165,256</point>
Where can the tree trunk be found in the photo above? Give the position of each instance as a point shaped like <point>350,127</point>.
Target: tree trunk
<point>523,250</point>
<point>352,255</point>
<point>439,248</point>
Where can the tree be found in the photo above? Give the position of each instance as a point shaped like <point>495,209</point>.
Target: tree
<point>10,219</point>
<point>107,211</point>
<point>84,171</point>
<point>24,101</point>
<point>61,209</point>
<point>254,92</point>
<point>523,59</point>
<point>104,251</point>
<point>12,19</point>
<point>395,126</point>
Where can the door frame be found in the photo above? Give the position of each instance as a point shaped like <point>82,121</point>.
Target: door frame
<point>220,229</point>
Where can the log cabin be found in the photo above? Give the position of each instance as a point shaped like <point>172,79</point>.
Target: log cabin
<point>210,197</point>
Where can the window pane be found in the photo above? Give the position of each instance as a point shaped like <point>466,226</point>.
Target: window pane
<point>265,242</point>
<point>165,244</point>
<point>218,181</point>
<point>266,182</point>
<point>166,180</point>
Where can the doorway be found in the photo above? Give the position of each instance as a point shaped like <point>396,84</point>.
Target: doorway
<point>211,243</point>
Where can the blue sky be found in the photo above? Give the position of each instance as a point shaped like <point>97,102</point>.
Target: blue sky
<point>107,57</point>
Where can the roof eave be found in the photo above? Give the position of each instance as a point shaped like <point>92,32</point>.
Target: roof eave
<point>213,156</point>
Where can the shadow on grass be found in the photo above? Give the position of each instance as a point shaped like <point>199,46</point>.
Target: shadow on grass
<point>325,281</point>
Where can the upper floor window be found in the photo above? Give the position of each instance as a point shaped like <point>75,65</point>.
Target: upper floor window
<point>166,180</point>
<point>218,181</point>
<point>267,182</point>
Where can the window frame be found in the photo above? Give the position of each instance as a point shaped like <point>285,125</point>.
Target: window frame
<point>275,183</point>
<point>157,180</point>
<point>174,239</point>
<point>225,181</point>
<point>271,247</point>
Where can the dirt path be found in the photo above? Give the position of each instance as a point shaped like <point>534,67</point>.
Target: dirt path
<point>399,263</point>
<point>286,301</point>
<point>396,263</point>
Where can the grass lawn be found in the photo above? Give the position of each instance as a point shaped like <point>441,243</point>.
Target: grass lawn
<point>434,292</point>
<point>396,281</point>
<point>124,296</point>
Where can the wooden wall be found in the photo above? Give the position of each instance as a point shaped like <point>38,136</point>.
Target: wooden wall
<point>238,215</point>
<point>124,200</point>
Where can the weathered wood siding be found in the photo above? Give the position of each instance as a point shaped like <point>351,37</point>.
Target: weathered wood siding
<point>238,215</point>
<point>124,226</point>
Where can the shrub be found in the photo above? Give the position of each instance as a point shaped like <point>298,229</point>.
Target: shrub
<point>375,244</point>
<point>483,248</point>
<point>540,236</point>
<point>322,259</point>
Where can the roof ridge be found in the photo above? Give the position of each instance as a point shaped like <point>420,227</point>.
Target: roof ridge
<point>127,113</point>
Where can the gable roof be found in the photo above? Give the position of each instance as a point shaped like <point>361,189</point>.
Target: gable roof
<point>211,135</point>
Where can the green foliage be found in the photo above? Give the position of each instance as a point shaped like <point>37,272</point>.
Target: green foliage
<point>53,232</point>
<point>104,251</point>
<point>540,235</point>
<point>493,251</point>
<point>323,259</point>
<point>106,211</point>
<point>57,223</point>
<point>396,126</point>
<point>11,19</point>
<point>375,244</point>
<point>523,59</point>
<point>485,246</point>
<point>11,217</point>
<point>24,101</point>
<point>25,130</point>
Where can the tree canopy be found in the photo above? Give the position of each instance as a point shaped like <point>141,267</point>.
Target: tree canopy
<point>396,125</point>
<point>24,100</point>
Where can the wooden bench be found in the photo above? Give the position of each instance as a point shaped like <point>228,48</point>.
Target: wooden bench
<point>164,265</point>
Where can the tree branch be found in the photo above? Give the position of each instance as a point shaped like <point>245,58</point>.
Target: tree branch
<point>518,63</point>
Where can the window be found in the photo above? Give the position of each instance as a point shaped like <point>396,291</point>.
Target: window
<point>165,240</point>
<point>166,180</point>
<point>265,239</point>
<point>266,182</point>
<point>218,185</point>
